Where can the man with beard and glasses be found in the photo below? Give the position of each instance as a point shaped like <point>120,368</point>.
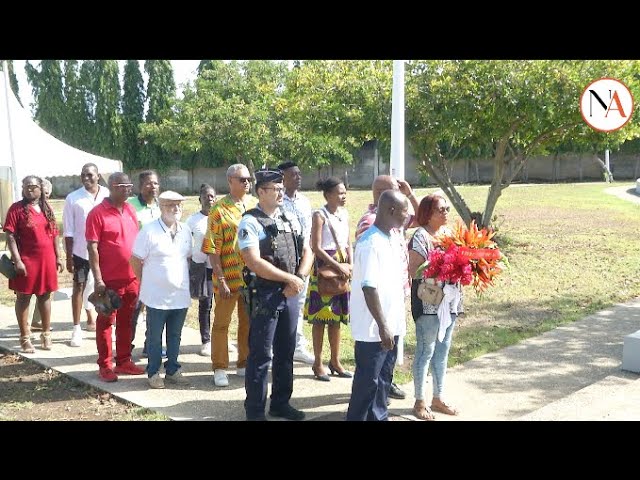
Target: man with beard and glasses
<point>160,261</point>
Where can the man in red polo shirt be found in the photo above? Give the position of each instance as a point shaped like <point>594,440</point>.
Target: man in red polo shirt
<point>111,230</point>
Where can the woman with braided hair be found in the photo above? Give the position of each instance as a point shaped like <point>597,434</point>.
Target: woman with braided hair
<point>32,238</point>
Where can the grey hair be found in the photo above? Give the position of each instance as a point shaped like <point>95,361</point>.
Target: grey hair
<point>234,168</point>
<point>47,185</point>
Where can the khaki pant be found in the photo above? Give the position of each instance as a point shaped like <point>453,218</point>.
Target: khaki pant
<point>220,331</point>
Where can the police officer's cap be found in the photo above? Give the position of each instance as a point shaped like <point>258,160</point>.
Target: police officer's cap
<point>268,175</point>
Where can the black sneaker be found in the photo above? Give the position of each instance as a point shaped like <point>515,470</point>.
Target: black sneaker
<point>395,392</point>
<point>287,412</point>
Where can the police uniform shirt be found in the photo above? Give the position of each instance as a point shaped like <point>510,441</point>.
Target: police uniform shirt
<point>250,232</point>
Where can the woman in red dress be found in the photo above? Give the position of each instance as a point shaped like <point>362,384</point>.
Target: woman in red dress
<point>32,237</point>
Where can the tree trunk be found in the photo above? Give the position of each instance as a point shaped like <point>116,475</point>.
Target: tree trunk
<point>608,176</point>
<point>444,182</point>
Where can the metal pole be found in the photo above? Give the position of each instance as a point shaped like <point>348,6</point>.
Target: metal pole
<point>397,146</point>
<point>14,179</point>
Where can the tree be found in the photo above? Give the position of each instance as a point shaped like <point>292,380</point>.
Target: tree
<point>47,94</point>
<point>161,98</point>
<point>107,91</point>
<point>132,112</point>
<point>230,115</point>
<point>87,89</point>
<point>504,110</point>
<point>334,107</point>
<point>13,80</point>
<point>77,123</point>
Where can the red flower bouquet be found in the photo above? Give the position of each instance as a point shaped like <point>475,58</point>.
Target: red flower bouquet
<point>467,255</point>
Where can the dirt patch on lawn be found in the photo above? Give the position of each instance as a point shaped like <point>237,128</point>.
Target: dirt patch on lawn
<point>29,391</point>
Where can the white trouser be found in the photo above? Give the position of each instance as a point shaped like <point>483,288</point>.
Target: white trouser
<point>296,310</point>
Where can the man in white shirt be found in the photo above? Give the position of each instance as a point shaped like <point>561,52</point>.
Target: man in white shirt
<point>160,260</point>
<point>377,310</point>
<point>300,206</point>
<point>77,206</point>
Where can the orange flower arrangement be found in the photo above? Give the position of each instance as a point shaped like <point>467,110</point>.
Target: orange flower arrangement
<point>483,254</point>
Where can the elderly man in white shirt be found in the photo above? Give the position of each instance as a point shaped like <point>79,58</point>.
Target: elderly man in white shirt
<point>300,206</point>
<point>77,206</point>
<point>160,260</point>
<point>377,310</point>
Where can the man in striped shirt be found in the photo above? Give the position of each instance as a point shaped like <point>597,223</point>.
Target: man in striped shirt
<point>221,244</point>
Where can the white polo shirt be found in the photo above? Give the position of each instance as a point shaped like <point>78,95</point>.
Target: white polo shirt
<point>165,269</point>
<point>77,206</point>
<point>198,225</point>
<point>376,265</point>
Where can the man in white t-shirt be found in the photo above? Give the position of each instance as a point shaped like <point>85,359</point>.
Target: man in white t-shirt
<point>77,206</point>
<point>377,310</point>
<point>160,260</point>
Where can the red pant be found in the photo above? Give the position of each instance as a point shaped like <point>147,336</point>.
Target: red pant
<point>128,291</point>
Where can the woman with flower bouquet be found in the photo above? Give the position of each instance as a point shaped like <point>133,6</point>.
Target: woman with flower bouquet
<point>434,323</point>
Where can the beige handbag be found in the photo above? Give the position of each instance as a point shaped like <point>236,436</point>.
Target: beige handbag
<point>429,292</point>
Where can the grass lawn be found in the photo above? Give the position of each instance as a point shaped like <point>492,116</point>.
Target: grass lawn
<point>573,250</point>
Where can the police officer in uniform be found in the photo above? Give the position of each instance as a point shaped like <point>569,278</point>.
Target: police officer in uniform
<point>278,260</point>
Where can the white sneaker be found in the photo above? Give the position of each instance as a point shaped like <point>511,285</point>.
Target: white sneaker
<point>220,378</point>
<point>177,378</point>
<point>156,381</point>
<point>232,348</point>
<point>240,372</point>
<point>301,355</point>
<point>76,336</point>
<point>205,351</point>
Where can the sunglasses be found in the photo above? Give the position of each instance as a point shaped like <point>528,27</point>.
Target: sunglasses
<point>31,187</point>
<point>123,185</point>
<point>444,209</point>
<point>243,179</point>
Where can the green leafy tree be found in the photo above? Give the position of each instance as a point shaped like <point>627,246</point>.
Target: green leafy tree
<point>48,96</point>
<point>505,110</point>
<point>13,80</point>
<point>132,113</point>
<point>76,124</point>
<point>333,107</point>
<point>230,115</point>
<point>107,91</point>
<point>87,88</point>
<point>161,98</point>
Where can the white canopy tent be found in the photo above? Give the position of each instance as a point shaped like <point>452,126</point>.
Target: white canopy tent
<point>26,149</point>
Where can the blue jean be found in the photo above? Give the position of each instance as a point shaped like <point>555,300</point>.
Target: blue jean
<point>156,320</point>
<point>371,382</point>
<point>431,351</point>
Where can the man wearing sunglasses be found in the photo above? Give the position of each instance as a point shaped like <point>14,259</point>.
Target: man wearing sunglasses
<point>221,244</point>
<point>111,229</point>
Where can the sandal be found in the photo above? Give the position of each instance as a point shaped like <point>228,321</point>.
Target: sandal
<point>45,339</point>
<point>25,344</point>
<point>422,412</point>
<point>442,407</point>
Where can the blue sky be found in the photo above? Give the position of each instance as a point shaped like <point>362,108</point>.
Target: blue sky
<point>183,71</point>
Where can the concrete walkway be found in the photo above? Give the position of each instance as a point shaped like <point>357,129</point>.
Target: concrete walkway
<point>570,373</point>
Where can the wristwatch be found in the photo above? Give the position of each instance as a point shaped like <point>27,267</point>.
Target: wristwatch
<point>301,277</point>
